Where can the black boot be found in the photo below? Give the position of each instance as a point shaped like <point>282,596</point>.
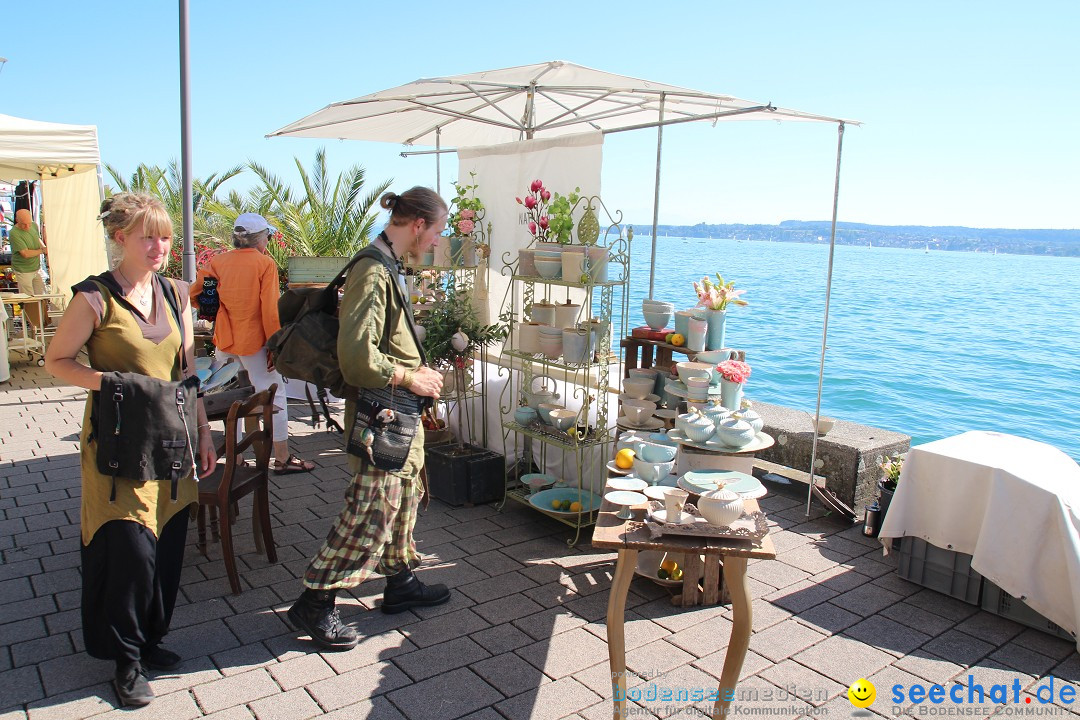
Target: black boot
<point>156,657</point>
<point>315,614</point>
<point>404,591</point>
<point>131,686</point>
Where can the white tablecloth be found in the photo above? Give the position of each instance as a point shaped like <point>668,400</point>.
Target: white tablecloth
<point>1012,504</point>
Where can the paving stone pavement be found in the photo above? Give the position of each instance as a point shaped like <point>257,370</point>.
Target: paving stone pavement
<point>522,638</point>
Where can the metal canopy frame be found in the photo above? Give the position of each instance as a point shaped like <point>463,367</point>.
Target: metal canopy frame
<point>625,104</point>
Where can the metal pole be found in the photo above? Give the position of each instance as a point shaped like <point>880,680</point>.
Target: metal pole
<point>825,325</point>
<point>438,155</point>
<point>656,194</point>
<point>185,146</point>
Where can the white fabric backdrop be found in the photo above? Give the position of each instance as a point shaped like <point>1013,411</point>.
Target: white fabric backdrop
<point>504,172</point>
<point>76,237</point>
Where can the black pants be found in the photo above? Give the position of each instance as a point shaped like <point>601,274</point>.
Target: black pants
<point>130,581</point>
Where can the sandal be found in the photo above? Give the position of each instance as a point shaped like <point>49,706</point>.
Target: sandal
<point>293,465</point>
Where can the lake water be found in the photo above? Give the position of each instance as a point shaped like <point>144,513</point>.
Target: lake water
<point>930,344</point>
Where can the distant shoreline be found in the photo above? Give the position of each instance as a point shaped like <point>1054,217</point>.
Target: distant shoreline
<point>1055,243</point>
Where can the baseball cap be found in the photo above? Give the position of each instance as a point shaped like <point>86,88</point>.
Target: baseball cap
<point>252,223</point>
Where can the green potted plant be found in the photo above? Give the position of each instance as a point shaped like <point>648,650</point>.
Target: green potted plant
<point>465,223</point>
<point>890,476</point>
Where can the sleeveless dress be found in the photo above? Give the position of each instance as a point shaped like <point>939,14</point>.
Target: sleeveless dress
<point>133,548</point>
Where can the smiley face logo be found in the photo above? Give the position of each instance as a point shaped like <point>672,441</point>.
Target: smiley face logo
<point>862,693</point>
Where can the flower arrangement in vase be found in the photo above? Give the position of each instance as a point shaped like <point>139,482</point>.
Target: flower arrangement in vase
<point>733,374</point>
<point>549,213</point>
<point>715,298</point>
<point>890,471</point>
<point>466,213</point>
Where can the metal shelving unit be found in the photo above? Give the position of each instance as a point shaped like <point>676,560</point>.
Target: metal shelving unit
<point>587,384</point>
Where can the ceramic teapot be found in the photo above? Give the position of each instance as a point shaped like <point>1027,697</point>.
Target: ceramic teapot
<point>546,393</point>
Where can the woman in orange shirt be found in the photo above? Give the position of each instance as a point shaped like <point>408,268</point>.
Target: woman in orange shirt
<point>248,315</point>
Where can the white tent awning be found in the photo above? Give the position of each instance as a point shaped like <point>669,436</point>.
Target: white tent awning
<point>33,150</point>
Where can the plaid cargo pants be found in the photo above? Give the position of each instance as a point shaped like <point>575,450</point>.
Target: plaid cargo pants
<point>373,531</point>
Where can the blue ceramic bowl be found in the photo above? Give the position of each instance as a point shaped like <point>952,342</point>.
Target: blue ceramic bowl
<point>525,416</point>
<point>548,269</point>
<point>655,452</point>
<point>543,499</point>
<point>656,320</point>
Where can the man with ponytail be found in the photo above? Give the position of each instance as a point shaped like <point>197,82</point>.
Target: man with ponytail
<point>377,349</point>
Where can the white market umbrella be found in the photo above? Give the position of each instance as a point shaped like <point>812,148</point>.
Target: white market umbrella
<point>546,99</point>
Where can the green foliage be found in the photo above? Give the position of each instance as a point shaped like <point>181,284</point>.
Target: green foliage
<point>890,469</point>
<point>560,220</point>
<point>465,208</point>
<point>453,315</point>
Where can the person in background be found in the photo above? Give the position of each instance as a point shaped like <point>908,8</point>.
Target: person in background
<point>133,545</point>
<point>375,528</point>
<point>247,315</point>
<point>26,252</point>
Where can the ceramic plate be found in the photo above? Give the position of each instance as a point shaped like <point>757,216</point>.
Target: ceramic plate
<point>615,469</point>
<point>224,374</point>
<point>672,480</point>
<point>699,481</point>
<point>762,441</point>
<point>655,492</point>
<point>625,498</point>
<point>660,516</point>
<point>627,484</point>
<point>543,499</point>
<point>652,423</point>
<point>678,389</point>
<point>203,363</point>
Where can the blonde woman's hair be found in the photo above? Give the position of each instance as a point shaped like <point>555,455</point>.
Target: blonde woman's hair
<point>128,211</point>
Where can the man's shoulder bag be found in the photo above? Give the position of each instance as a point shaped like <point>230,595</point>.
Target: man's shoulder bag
<point>145,428</point>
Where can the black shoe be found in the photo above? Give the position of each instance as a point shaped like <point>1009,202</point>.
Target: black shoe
<point>158,658</point>
<point>131,686</point>
<point>315,614</point>
<point>404,591</point>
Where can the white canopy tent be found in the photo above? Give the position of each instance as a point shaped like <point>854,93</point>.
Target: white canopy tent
<point>65,159</point>
<point>546,100</point>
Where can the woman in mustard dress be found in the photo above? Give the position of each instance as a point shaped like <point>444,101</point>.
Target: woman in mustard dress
<point>133,547</point>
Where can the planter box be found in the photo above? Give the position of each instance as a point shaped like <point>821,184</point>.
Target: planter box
<point>999,602</point>
<point>474,477</point>
<point>946,571</point>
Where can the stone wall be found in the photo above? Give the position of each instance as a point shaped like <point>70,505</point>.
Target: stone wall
<point>847,457</point>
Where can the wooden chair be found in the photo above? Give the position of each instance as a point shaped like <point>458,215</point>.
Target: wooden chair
<point>232,479</point>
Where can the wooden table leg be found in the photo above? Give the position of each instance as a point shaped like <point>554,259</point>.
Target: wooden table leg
<point>620,584</point>
<point>742,622</point>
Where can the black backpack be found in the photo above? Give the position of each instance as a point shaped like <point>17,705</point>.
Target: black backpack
<point>305,348</point>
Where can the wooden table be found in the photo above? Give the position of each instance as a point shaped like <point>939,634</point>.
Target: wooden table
<point>630,536</point>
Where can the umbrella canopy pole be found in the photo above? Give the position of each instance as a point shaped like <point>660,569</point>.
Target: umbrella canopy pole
<point>438,155</point>
<point>656,194</point>
<point>825,325</point>
<point>185,146</point>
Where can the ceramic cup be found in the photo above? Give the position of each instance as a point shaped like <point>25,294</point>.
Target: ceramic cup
<point>697,388</point>
<point>674,502</point>
<point>529,337</point>
<point>543,313</point>
<point>637,388</point>
<point>697,330</point>
<point>566,315</point>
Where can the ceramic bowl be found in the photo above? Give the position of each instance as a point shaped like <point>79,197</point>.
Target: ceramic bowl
<point>688,370</point>
<point>720,507</point>
<point>546,410</point>
<point>825,424</point>
<point>649,305</point>
<point>652,472</point>
<point>648,565</point>
<point>543,500</point>
<point>638,411</point>
<point>563,419</point>
<point>525,416</point>
<point>637,388</point>
<point>629,440</point>
<point>655,452</point>
<point>734,433</point>
<point>548,269</point>
<point>537,481</point>
<point>697,388</point>
<point>657,320</point>
<point>700,429</point>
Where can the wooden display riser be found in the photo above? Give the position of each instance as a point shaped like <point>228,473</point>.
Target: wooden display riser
<point>703,584</point>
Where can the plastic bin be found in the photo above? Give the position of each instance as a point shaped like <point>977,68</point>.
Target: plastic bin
<point>999,602</point>
<point>465,479</point>
<point>946,571</point>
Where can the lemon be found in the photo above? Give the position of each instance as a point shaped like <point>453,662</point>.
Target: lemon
<point>415,298</point>
<point>624,460</point>
<point>575,507</point>
<point>669,565</point>
<point>556,504</point>
<point>678,340</point>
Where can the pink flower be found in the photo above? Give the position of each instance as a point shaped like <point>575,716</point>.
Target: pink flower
<point>544,221</point>
<point>545,195</point>
<point>734,371</point>
<point>468,214</point>
<point>530,202</point>
<point>532,227</point>
<point>537,185</point>
<point>465,226</point>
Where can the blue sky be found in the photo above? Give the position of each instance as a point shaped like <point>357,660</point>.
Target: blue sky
<point>969,107</point>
